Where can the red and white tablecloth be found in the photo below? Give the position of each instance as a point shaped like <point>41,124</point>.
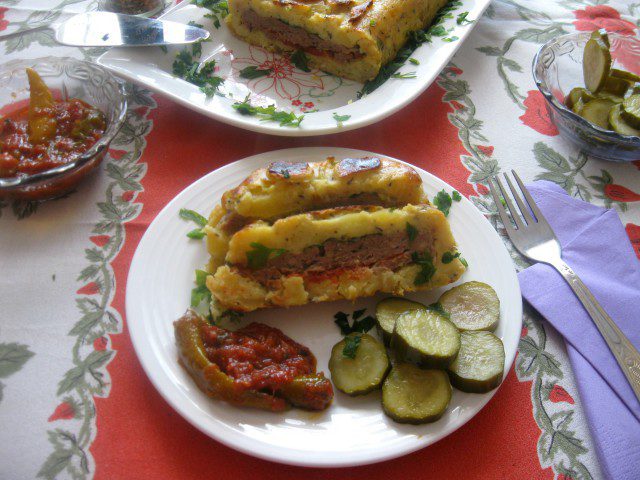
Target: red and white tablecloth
<point>74,401</point>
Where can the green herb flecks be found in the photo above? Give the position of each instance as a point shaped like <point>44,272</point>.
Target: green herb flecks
<point>427,268</point>
<point>254,72</point>
<point>462,19</point>
<point>404,75</point>
<point>351,346</point>
<point>340,118</point>
<point>218,8</point>
<point>437,307</point>
<point>188,68</point>
<point>372,23</point>
<point>412,232</point>
<point>450,39</point>
<point>268,114</point>
<point>448,257</point>
<point>260,255</point>
<point>455,195</point>
<point>200,295</point>
<point>415,39</point>
<point>443,202</point>
<point>195,217</point>
<point>300,60</point>
<point>414,61</point>
<point>361,325</point>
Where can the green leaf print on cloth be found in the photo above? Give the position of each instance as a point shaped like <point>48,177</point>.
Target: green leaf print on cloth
<point>13,356</point>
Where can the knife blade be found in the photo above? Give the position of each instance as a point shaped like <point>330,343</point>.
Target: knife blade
<point>105,29</point>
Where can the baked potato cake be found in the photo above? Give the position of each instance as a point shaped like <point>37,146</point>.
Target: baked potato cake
<point>348,38</point>
<point>283,189</point>
<point>340,253</point>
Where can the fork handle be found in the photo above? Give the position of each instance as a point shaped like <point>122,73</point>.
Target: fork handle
<point>626,354</point>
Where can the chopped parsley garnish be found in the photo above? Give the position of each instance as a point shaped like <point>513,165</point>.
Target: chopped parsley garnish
<point>260,254</point>
<point>268,114</point>
<point>427,268</point>
<point>412,232</point>
<point>443,201</point>
<point>463,261</point>
<point>254,72</point>
<point>300,60</point>
<point>372,23</point>
<point>193,216</point>
<point>404,75</point>
<point>340,118</point>
<point>219,9</point>
<point>361,325</point>
<point>462,19</point>
<point>450,39</point>
<point>351,345</point>
<point>415,39</point>
<point>438,308</point>
<point>455,195</point>
<point>231,315</point>
<point>200,295</point>
<point>414,61</point>
<point>188,68</point>
<point>448,257</point>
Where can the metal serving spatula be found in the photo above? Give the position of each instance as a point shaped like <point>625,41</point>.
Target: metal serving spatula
<point>105,29</point>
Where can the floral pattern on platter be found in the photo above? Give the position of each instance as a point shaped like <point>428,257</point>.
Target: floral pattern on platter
<point>284,79</point>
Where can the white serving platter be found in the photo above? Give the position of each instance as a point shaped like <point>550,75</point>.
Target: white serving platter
<point>315,94</point>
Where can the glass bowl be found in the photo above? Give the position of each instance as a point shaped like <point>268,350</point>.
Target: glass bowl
<point>67,78</point>
<point>557,68</point>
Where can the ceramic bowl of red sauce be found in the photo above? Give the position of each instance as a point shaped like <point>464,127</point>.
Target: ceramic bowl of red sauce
<point>57,118</point>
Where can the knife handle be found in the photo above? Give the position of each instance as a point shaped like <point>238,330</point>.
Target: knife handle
<point>627,356</point>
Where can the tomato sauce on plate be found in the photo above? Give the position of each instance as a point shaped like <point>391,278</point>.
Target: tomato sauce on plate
<point>78,126</point>
<point>257,357</point>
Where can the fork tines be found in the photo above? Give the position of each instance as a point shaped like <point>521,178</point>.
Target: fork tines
<point>524,210</point>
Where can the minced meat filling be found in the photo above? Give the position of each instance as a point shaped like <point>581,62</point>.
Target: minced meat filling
<point>387,251</point>
<point>298,37</point>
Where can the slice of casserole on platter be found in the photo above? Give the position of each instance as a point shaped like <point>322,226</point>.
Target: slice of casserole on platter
<point>348,38</point>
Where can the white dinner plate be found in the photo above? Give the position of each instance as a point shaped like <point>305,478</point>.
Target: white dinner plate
<point>352,431</point>
<point>286,87</point>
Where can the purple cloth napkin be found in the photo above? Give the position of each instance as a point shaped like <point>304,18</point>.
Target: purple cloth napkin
<point>595,245</point>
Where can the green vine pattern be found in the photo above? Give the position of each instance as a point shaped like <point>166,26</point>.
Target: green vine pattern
<point>13,356</point>
<point>544,30</point>
<point>88,377</point>
<point>559,446</point>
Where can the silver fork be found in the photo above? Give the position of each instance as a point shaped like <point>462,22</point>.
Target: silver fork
<point>534,239</point>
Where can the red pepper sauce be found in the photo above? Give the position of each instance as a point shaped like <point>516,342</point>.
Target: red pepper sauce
<point>257,357</point>
<point>78,127</point>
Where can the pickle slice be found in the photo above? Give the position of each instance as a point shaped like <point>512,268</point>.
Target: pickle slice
<point>363,373</point>
<point>619,125</point>
<point>609,96</point>
<point>388,311</point>
<point>617,73</point>
<point>597,112</point>
<point>601,34</point>
<point>479,365</point>
<point>472,306</point>
<point>596,63</point>
<point>426,338</point>
<point>631,110</point>
<point>413,395</point>
<point>577,108</point>
<point>575,95</point>
<point>617,86</point>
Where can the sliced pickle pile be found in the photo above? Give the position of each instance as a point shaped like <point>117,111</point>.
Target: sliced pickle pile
<point>431,348</point>
<point>611,99</point>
